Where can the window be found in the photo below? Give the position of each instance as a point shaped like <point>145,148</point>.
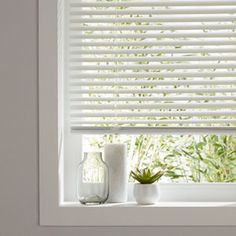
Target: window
<point>130,68</point>
<point>135,67</point>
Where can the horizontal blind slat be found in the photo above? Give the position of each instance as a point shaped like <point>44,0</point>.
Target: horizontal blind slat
<point>155,3</point>
<point>153,75</point>
<point>154,35</point>
<point>173,26</point>
<point>154,114</point>
<point>98,107</point>
<point>155,82</point>
<point>202,98</point>
<point>154,51</point>
<point>158,19</point>
<point>193,121</point>
<point>153,59</point>
<point>197,10</point>
<point>155,67</point>
<point>203,130</point>
<point>156,43</point>
<point>144,91</point>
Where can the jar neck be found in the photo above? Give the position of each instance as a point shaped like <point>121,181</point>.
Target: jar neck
<point>93,156</point>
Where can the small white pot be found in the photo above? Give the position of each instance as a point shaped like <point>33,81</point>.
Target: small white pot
<point>146,193</point>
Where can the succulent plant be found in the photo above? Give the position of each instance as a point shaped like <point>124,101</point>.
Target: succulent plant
<point>146,176</point>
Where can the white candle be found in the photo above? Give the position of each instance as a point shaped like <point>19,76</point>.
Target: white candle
<point>115,156</point>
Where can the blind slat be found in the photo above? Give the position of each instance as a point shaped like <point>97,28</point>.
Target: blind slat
<point>173,26</point>
<point>153,59</point>
<point>156,67</point>
<point>156,43</point>
<point>153,75</point>
<point>154,82</point>
<point>154,114</point>
<point>155,3</point>
<point>156,106</point>
<point>210,18</point>
<point>156,36</point>
<point>208,129</point>
<point>154,51</point>
<point>197,10</point>
<point>157,122</point>
<point>144,91</point>
<point>202,98</point>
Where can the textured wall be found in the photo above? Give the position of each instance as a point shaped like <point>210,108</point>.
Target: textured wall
<point>18,136</point>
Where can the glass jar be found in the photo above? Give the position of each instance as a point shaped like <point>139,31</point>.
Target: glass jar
<point>92,179</point>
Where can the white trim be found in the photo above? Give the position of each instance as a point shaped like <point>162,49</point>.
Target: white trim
<point>72,143</point>
<point>50,211</point>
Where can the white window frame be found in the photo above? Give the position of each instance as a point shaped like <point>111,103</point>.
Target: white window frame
<point>51,212</point>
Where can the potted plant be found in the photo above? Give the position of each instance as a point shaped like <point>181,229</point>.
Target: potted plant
<point>146,191</point>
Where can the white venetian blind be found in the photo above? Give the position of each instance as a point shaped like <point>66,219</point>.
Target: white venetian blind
<point>154,63</point>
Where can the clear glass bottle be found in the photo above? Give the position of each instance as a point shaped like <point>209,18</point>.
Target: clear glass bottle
<point>92,179</point>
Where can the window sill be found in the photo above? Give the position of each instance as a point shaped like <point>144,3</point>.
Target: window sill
<point>158,204</point>
<point>131,214</point>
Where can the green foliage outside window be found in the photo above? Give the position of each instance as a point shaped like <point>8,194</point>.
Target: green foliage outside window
<point>185,158</point>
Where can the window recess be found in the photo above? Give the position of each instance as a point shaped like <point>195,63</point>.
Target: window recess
<point>129,66</point>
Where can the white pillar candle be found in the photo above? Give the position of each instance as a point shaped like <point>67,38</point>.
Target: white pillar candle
<point>115,156</point>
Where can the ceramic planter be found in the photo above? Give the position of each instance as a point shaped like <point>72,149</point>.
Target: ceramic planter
<point>146,193</point>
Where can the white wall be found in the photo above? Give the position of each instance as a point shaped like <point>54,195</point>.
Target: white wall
<point>19,141</point>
